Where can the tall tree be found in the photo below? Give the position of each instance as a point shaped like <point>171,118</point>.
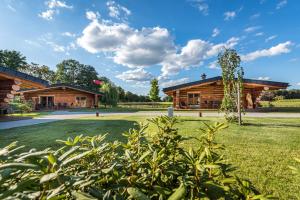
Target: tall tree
<point>154,91</point>
<point>232,75</point>
<point>121,93</point>
<point>73,72</point>
<point>110,95</point>
<point>67,71</point>
<point>41,71</point>
<point>86,75</point>
<point>12,59</point>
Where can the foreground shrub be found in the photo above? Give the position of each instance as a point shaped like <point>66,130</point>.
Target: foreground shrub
<point>145,167</point>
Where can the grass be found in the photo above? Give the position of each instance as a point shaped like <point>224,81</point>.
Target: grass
<point>21,116</point>
<point>31,114</point>
<point>262,149</point>
<point>285,105</point>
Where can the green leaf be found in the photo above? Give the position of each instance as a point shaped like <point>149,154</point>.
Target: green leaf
<point>144,155</point>
<point>48,177</point>
<point>34,154</point>
<point>18,166</point>
<point>107,170</point>
<point>73,149</point>
<point>72,159</point>
<point>137,194</point>
<point>82,196</point>
<point>212,166</point>
<point>51,158</point>
<point>179,193</point>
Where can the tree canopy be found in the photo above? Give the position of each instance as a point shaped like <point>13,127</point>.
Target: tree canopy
<point>12,59</point>
<point>40,71</point>
<point>110,95</point>
<point>73,72</point>
<point>232,76</point>
<point>154,91</point>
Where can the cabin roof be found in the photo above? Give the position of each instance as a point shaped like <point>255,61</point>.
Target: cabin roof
<point>21,75</point>
<point>218,78</point>
<point>60,85</point>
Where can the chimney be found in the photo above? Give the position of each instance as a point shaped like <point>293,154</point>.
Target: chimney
<point>203,76</point>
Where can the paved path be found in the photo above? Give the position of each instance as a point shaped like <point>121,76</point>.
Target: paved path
<point>62,115</point>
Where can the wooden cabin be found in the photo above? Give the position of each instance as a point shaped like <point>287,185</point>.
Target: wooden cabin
<point>208,93</point>
<point>11,81</point>
<point>60,96</point>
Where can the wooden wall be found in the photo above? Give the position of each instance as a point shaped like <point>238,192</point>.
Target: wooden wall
<point>211,95</point>
<point>8,89</point>
<point>61,96</point>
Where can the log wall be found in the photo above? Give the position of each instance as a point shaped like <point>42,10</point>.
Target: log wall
<point>8,89</point>
<point>62,96</point>
<point>211,96</point>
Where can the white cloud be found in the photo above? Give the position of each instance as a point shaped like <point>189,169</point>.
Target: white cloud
<point>146,47</point>
<point>201,5</point>
<point>229,15</point>
<point>251,29</point>
<point>273,51</point>
<point>271,38</point>
<point>136,75</point>
<point>259,34</point>
<point>57,4</point>
<point>56,47</point>
<point>215,49</point>
<point>53,7</point>
<point>193,54</point>
<point>298,83</point>
<point>98,36</point>
<point>68,34</point>
<point>281,4</point>
<point>174,82</point>
<point>135,48</point>
<point>216,32</point>
<point>293,59</point>
<point>266,78</point>
<point>255,16</point>
<point>47,15</point>
<point>10,7</point>
<point>92,15</point>
<point>117,11</point>
<point>213,65</point>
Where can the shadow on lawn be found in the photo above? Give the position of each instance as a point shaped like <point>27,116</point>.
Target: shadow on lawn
<point>271,125</point>
<point>194,120</point>
<point>45,135</point>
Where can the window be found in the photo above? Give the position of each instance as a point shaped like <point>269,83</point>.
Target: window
<point>193,99</point>
<point>81,101</point>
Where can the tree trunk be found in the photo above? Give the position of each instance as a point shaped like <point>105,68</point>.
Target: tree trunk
<point>239,104</point>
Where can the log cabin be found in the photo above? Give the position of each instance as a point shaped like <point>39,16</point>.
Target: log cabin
<point>41,93</point>
<point>61,96</point>
<point>208,93</point>
<point>11,81</point>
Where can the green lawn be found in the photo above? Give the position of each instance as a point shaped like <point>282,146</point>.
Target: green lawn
<point>262,150</point>
<point>285,105</point>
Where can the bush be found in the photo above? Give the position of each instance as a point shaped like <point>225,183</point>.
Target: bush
<point>21,106</point>
<point>278,98</point>
<point>153,167</point>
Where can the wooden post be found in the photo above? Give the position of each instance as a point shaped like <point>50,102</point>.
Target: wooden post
<point>239,104</point>
<point>177,100</point>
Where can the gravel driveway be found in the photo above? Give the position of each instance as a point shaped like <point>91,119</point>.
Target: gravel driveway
<point>62,115</point>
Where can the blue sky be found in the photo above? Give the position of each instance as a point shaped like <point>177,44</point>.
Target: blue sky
<point>133,41</point>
